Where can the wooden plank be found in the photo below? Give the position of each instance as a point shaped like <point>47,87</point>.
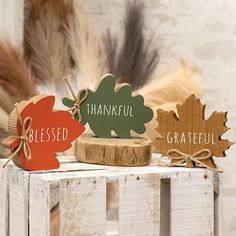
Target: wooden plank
<point>83,206</point>
<point>192,203</point>
<point>3,199</point>
<point>44,186</point>
<point>139,204</point>
<point>12,20</point>
<point>78,201</point>
<point>39,207</point>
<point>18,201</point>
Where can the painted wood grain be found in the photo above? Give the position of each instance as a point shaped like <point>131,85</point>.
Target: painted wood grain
<point>192,204</point>
<point>39,207</point>
<point>139,204</point>
<point>83,206</point>
<point>18,201</point>
<point>3,199</point>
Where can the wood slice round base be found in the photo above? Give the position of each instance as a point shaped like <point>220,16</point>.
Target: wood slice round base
<point>113,151</point>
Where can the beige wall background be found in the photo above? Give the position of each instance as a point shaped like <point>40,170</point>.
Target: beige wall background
<point>11,20</point>
<point>203,32</point>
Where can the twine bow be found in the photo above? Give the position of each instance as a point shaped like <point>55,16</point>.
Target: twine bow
<point>78,100</point>
<point>196,157</point>
<point>26,125</point>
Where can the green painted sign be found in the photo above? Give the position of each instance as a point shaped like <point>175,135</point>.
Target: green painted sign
<point>111,108</point>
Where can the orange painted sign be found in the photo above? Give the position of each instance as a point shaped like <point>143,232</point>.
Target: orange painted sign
<point>39,132</point>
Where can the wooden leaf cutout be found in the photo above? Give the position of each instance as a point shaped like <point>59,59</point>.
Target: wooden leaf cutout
<point>189,132</point>
<point>51,132</point>
<point>113,108</point>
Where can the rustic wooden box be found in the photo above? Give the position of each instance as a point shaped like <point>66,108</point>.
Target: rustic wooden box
<point>151,201</point>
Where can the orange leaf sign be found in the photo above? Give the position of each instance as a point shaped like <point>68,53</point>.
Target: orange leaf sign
<point>38,133</point>
<point>188,134</point>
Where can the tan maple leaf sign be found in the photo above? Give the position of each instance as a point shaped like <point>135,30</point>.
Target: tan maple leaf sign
<point>189,132</point>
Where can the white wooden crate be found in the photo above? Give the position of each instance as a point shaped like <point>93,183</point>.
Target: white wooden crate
<point>151,201</point>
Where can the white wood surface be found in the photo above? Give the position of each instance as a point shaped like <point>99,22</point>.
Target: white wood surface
<point>83,206</point>
<point>12,20</point>
<point>192,204</point>
<point>3,200</point>
<point>18,201</point>
<point>39,207</point>
<point>139,204</point>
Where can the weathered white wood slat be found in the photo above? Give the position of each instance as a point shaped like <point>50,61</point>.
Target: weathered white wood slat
<point>218,202</point>
<point>18,201</point>
<point>12,20</point>
<point>39,207</point>
<point>139,204</point>
<point>83,206</point>
<point>192,204</point>
<point>3,200</point>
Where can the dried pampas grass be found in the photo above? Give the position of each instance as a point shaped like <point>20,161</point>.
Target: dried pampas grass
<point>6,102</point>
<point>46,47</point>
<point>169,91</point>
<point>87,48</point>
<point>62,7</point>
<point>137,59</point>
<point>173,87</point>
<point>16,84</point>
<point>6,106</point>
<point>59,41</point>
<point>15,77</point>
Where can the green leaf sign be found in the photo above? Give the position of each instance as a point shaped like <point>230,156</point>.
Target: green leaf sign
<point>110,108</point>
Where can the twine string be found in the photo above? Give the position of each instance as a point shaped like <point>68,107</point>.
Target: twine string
<point>79,99</point>
<point>26,125</point>
<point>76,107</point>
<point>196,157</point>
<point>70,88</point>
